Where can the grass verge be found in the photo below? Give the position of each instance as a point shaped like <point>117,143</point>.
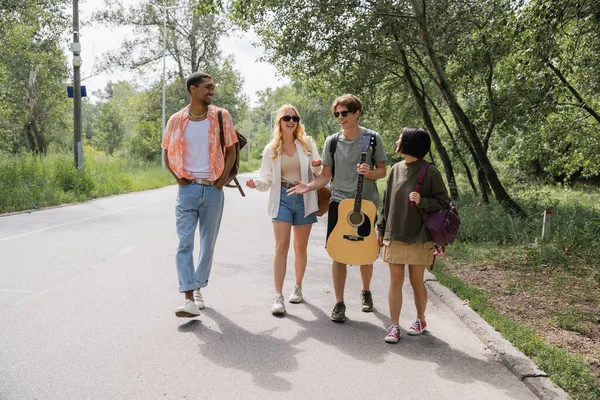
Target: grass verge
<point>569,371</point>
<point>28,182</point>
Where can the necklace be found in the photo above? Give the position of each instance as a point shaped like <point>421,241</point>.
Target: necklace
<point>197,116</point>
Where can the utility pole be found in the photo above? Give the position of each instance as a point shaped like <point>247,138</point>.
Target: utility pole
<point>164,86</point>
<point>77,123</point>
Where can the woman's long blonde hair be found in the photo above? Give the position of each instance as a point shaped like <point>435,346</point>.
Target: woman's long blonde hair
<point>299,133</point>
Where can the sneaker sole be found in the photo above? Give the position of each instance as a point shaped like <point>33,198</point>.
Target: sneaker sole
<point>296,301</point>
<point>185,314</point>
<point>200,307</point>
<point>391,340</point>
<point>338,320</point>
<point>416,333</point>
<point>366,309</point>
<point>278,312</point>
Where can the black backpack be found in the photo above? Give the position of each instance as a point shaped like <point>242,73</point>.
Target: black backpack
<point>333,148</point>
<point>236,165</point>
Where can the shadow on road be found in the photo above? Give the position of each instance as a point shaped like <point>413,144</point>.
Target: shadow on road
<point>364,341</point>
<point>259,354</point>
<point>265,356</point>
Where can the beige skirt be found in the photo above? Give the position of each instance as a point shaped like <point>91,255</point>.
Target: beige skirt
<point>395,252</point>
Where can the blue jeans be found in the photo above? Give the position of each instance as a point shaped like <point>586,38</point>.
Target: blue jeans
<point>197,205</point>
<point>291,209</point>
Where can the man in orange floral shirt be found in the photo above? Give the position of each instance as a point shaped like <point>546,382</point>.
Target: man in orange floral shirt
<point>193,154</point>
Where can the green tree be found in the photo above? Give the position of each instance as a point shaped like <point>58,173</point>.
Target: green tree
<point>193,31</point>
<point>338,50</point>
<point>108,128</point>
<point>32,74</point>
<point>554,82</point>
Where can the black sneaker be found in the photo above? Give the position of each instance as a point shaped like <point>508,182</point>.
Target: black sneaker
<point>366,301</point>
<point>339,312</point>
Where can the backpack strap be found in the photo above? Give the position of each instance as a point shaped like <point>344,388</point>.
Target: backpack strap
<point>420,179</point>
<point>332,149</point>
<point>221,133</point>
<point>421,176</point>
<point>373,145</point>
<point>439,251</point>
<point>222,137</point>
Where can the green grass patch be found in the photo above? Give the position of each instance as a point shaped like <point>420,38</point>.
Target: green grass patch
<point>571,320</point>
<point>568,371</point>
<point>29,182</point>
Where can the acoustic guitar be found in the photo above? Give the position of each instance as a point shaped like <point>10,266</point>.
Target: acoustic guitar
<point>353,240</point>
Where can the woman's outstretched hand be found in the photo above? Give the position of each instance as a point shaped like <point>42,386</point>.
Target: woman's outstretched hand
<point>251,184</point>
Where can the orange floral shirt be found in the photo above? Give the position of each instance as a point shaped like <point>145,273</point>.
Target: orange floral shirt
<point>174,141</point>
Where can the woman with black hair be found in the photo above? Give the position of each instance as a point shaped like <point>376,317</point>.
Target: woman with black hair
<point>401,231</point>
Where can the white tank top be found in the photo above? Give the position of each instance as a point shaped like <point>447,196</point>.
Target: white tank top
<point>196,158</point>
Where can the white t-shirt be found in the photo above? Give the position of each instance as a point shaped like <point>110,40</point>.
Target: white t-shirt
<point>196,158</point>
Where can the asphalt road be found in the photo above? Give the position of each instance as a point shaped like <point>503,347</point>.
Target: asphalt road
<point>87,298</point>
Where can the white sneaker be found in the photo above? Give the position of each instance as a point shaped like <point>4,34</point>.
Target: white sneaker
<point>187,310</point>
<point>278,306</point>
<point>198,299</point>
<point>296,296</point>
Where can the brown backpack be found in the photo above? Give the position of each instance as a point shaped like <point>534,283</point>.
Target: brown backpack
<point>236,165</point>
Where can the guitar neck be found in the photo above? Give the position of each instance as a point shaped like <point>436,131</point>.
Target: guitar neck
<point>359,185</point>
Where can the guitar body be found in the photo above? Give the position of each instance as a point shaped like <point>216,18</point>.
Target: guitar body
<point>353,240</point>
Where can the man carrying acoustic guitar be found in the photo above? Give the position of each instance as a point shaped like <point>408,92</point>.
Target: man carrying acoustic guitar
<point>353,159</point>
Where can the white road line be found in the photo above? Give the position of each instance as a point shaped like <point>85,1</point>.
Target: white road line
<point>34,295</point>
<point>17,291</point>
<point>76,221</point>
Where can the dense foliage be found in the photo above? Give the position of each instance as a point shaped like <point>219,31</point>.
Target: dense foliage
<point>509,90</point>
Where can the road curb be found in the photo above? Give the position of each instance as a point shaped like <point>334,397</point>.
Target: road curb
<point>518,363</point>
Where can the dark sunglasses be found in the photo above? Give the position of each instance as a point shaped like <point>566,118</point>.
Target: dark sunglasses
<point>344,113</point>
<point>288,118</point>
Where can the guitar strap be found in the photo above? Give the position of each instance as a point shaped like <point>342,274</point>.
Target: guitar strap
<point>333,148</point>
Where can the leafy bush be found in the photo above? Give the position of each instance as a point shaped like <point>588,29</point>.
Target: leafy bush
<point>70,179</point>
<point>575,219</point>
<point>29,182</point>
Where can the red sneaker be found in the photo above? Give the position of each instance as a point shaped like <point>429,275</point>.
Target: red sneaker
<point>393,334</point>
<point>417,327</point>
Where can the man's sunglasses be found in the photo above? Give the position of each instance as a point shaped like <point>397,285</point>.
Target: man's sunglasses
<point>344,113</point>
<point>288,118</point>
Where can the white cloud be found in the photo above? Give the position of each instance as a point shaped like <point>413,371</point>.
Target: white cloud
<point>257,75</point>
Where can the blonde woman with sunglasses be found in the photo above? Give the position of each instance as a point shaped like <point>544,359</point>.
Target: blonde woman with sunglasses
<point>291,156</point>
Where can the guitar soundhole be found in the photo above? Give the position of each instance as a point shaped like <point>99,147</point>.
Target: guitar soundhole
<point>356,218</point>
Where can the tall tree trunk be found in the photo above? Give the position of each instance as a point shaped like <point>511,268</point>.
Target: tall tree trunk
<point>481,178</point>
<point>459,153</point>
<point>35,136</point>
<point>194,61</point>
<point>29,139</point>
<point>421,102</point>
<point>490,93</point>
<point>461,118</point>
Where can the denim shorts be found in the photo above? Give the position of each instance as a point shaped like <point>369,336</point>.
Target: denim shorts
<point>291,209</point>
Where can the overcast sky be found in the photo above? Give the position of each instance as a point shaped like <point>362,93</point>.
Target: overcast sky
<point>96,40</point>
